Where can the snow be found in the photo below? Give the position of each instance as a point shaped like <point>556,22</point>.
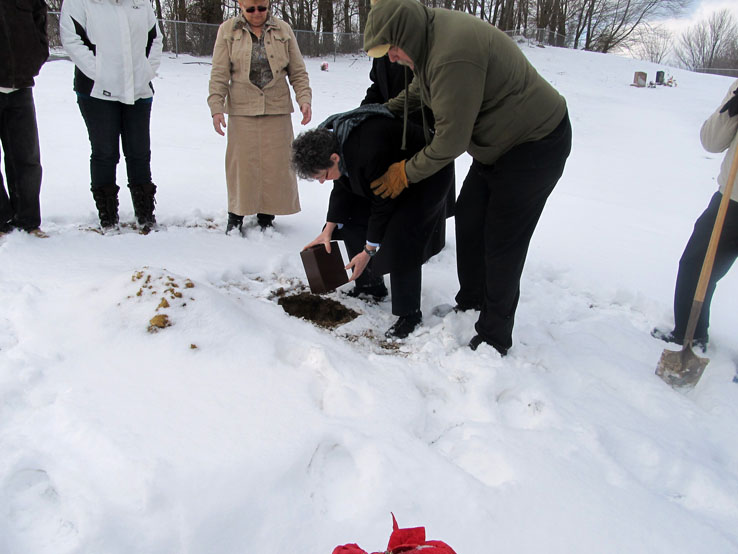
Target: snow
<point>242,429</point>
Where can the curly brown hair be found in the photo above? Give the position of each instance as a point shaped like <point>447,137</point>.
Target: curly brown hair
<point>311,152</point>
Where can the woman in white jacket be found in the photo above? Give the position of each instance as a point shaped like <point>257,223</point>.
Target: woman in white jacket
<point>116,47</point>
<point>719,133</point>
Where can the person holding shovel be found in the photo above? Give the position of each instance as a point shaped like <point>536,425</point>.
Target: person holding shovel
<point>489,101</point>
<point>719,133</point>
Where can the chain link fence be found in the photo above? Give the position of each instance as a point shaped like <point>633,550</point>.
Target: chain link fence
<point>329,44</point>
<point>197,39</point>
<point>539,37</point>
<point>181,37</point>
<point>729,72</point>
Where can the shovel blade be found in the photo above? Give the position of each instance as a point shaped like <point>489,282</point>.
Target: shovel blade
<point>682,368</point>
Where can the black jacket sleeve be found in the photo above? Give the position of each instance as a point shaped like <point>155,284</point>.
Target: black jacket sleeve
<point>40,12</point>
<point>370,149</point>
<point>24,44</point>
<point>374,92</point>
<point>341,204</point>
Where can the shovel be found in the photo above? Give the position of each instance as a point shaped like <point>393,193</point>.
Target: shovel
<point>683,368</point>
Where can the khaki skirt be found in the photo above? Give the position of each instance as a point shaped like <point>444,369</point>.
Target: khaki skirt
<point>258,171</point>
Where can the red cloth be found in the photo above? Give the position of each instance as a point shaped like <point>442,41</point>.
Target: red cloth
<point>410,540</point>
<point>349,549</point>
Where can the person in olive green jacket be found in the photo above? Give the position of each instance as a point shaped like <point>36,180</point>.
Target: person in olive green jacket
<point>489,101</point>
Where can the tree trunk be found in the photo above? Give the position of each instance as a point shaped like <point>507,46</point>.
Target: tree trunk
<point>346,16</point>
<point>363,13</point>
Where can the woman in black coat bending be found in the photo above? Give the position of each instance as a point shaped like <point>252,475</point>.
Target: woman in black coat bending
<point>382,235</point>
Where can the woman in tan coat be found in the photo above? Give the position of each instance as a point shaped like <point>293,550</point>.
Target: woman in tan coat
<point>254,55</point>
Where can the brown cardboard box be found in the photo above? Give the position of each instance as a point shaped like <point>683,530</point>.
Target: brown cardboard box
<point>325,272</point>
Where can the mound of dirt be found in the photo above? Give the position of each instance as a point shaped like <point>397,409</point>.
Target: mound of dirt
<point>323,312</point>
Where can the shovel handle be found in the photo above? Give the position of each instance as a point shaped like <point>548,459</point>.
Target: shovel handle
<point>699,295</point>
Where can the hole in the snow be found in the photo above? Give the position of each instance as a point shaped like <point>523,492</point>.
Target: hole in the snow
<point>324,312</point>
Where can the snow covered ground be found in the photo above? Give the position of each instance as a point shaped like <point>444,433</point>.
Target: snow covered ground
<point>241,429</point>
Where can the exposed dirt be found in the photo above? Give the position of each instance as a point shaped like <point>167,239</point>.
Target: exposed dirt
<point>323,312</point>
<point>158,322</point>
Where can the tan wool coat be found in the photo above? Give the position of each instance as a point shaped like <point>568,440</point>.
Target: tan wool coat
<point>258,172</point>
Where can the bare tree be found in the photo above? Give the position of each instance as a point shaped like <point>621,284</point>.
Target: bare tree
<point>706,42</point>
<point>551,20</point>
<point>347,16</point>
<point>604,25</point>
<point>587,19</point>
<point>651,43</point>
<point>205,11</point>
<point>600,25</point>
<point>731,59</point>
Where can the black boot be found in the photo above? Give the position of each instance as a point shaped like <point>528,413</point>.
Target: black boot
<point>6,227</point>
<point>106,201</point>
<point>377,291</point>
<point>265,221</point>
<point>143,204</point>
<point>464,308</point>
<point>234,222</point>
<point>404,325</point>
<point>669,336</point>
<point>477,340</point>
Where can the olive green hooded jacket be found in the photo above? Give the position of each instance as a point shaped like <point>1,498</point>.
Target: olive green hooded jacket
<point>485,95</point>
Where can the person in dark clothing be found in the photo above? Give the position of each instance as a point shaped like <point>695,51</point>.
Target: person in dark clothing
<point>489,101</point>
<point>116,49</point>
<point>719,133</point>
<point>394,236</point>
<point>25,47</point>
<point>390,79</point>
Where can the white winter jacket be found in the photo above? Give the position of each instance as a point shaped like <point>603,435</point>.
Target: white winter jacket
<point>114,44</point>
<point>720,132</point>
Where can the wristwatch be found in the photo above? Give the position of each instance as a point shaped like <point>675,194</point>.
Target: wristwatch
<point>370,252</point>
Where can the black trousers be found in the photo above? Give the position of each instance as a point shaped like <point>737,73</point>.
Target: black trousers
<point>108,124</point>
<point>690,265</point>
<point>405,283</point>
<point>19,205</point>
<point>496,213</point>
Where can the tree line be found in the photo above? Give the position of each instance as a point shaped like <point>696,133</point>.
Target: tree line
<point>596,25</point>
<point>708,46</point>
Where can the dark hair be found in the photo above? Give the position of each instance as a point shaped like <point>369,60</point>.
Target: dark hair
<point>311,152</point>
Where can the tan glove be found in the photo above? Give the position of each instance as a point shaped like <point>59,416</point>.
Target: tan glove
<point>392,183</point>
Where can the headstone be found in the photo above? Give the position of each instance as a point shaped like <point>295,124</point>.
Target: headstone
<point>659,77</point>
<point>639,79</point>
<point>325,272</point>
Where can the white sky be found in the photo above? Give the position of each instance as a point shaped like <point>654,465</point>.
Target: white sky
<point>699,11</point>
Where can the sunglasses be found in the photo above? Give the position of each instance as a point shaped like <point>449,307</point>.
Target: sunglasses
<point>252,9</point>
